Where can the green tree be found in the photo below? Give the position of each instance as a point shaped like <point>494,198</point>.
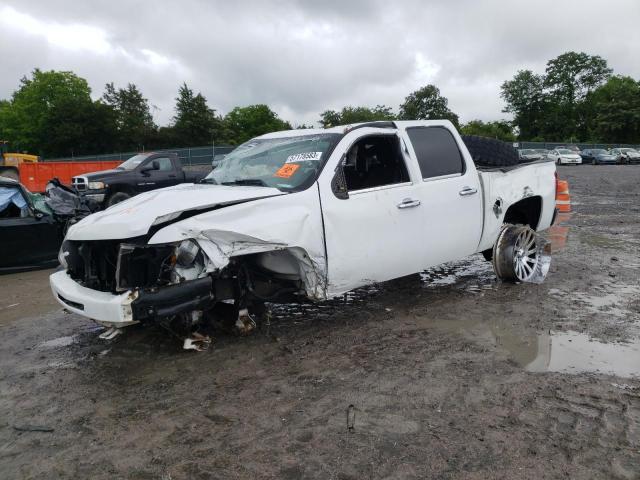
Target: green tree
<point>426,103</point>
<point>349,115</point>
<point>134,122</point>
<point>502,130</point>
<point>568,80</point>
<point>571,76</point>
<point>30,121</point>
<point>615,111</point>
<point>243,123</point>
<point>525,99</point>
<point>194,123</point>
<point>79,129</point>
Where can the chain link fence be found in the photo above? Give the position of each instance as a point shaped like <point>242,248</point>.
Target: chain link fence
<point>188,156</point>
<point>581,146</point>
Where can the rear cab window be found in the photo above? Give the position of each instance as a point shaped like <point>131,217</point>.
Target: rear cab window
<point>437,152</point>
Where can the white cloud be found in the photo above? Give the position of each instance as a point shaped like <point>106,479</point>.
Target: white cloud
<point>302,57</point>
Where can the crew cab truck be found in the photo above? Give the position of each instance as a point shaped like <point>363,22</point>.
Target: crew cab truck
<point>140,173</point>
<point>308,214</point>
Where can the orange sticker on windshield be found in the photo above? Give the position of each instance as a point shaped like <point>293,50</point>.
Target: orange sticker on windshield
<point>287,170</point>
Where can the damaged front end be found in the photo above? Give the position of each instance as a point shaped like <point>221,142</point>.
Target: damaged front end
<point>119,283</point>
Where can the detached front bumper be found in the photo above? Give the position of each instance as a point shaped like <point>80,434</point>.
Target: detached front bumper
<point>132,306</point>
<point>103,307</point>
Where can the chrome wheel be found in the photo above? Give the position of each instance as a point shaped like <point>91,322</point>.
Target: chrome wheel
<point>516,254</point>
<point>525,258</point>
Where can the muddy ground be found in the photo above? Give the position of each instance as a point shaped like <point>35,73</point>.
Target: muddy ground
<point>450,374</point>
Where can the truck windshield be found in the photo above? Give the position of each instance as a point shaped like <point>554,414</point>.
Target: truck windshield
<point>288,163</point>
<point>133,162</point>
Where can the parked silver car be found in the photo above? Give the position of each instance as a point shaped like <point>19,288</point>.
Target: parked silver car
<point>625,155</point>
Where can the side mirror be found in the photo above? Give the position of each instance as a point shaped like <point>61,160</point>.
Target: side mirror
<point>155,165</point>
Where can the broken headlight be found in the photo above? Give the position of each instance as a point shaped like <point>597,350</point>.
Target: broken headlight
<point>62,257</point>
<point>186,253</point>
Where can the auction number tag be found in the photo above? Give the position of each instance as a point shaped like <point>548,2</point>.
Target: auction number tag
<point>287,170</point>
<point>304,157</point>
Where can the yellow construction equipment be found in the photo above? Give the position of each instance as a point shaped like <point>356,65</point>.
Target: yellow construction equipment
<point>9,162</point>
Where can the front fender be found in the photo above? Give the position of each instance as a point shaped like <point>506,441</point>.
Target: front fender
<point>292,222</point>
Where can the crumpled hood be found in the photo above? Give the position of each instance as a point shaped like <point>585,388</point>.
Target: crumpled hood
<point>134,217</point>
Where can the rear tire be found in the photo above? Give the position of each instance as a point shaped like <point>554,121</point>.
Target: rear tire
<point>117,198</point>
<point>515,253</point>
<point>489,152</point>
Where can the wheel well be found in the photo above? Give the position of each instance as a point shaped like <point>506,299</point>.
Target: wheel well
<point>526,212</point>
<point>120,189</point>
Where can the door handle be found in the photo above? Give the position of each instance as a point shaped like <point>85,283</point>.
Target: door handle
<point>468,191</point>
<point>408,203</point>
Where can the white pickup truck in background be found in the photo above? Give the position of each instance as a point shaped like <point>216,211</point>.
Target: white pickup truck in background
<point>308,214</point>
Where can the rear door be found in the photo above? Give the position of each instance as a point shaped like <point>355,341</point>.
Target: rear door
<point>449,190</point>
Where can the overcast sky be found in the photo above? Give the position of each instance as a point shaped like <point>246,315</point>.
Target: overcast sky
<point>302,57</point>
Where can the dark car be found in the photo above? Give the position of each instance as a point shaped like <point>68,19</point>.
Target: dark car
<point>30,233</point>
<point>141,173</point>
<point>529,155</point>
<point>597,156</point>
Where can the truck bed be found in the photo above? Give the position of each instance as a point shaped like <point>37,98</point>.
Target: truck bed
<point>504,186</point>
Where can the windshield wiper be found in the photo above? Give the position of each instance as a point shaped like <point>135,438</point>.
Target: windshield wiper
<point>209,180</point>
<point>247,181</point>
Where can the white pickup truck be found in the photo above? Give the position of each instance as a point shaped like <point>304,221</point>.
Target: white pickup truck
<point>308,214</point>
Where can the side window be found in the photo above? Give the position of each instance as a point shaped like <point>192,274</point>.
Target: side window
<point>437,151</point>
<point>374,161</point>
<point>165,164</point>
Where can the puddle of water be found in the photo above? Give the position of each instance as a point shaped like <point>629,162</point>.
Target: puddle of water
<point>59,342</point>
<point>616,303</point>
<point>558,233</point>
<point>574,352</point>
<point>562,351</point>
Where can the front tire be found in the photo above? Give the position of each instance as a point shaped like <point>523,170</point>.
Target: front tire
<point>117,198</point>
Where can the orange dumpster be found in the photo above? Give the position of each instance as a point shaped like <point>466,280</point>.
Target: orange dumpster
<point>35,176</point>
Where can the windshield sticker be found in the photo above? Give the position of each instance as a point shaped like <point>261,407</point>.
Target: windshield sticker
<point>287,170</point>
<point>304,157</point>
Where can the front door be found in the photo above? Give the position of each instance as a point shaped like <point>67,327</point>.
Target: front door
<point>26,240</point>
<point>164,176</point>
<point>372,232</point>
